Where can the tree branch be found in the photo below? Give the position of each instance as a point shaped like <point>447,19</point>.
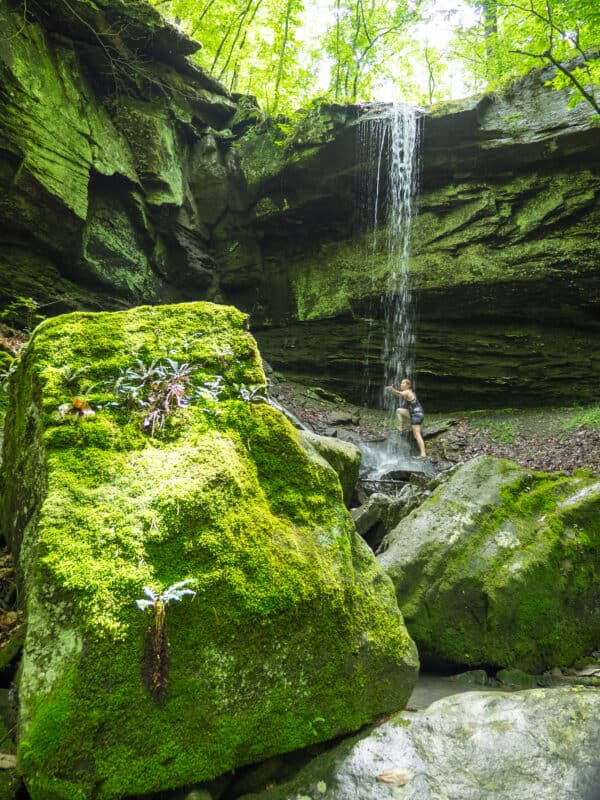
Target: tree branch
<point>547,56</point>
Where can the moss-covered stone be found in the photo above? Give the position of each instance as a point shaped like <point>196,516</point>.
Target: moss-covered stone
<point>344,457</point>
<point>500,567</point>
<point>294,634</point>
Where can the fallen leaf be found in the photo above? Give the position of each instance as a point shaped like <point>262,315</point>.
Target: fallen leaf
<point>8,761</point>
<point>9,618</point>
<point>396,777</point>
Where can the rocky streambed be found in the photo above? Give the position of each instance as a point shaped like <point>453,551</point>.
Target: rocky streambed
<point>545,439</point>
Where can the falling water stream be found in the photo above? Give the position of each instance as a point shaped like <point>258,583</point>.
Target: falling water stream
<point>398,352</point>
<point>390,149</point>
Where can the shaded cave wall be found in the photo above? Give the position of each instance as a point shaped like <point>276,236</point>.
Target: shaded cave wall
<point>117,185</point>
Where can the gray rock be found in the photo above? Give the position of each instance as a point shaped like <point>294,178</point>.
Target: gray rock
<point>370,519</point>
<point>372,512</point>
<point>408,498</point>
<point>340,418</point>
<point>515,679</point>
<point>474,677</point>
<point>540,744</point>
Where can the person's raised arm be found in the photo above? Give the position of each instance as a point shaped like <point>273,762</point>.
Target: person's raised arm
<point>399,392</point>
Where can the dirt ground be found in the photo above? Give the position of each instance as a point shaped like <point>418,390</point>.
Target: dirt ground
<point>546,439</point>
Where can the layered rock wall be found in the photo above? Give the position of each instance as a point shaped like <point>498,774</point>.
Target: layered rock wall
<point>114,166</point>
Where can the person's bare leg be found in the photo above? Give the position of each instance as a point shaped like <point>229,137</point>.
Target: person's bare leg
<point>416,429</point>
<point>401,414</point>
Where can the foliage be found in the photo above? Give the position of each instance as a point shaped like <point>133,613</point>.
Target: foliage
<point>6,370</point>
<point>173,594</point>
<point>501,431</point>
<point>361,41</point>
<point>163,386</point>
<point>585,418</point>
<point>251,46</point>
<point>21,313</point>
<point>287,52</point>
<point>159,388</point>
<point>156,662</point>
<point>512,37</point>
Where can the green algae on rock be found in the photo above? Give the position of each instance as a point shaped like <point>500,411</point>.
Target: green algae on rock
<point>500,566</point>
<point>344,457</point>
<point>294,635</point>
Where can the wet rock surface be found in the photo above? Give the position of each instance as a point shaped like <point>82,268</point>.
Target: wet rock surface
<point>499,565</point>
<point>472,746</point>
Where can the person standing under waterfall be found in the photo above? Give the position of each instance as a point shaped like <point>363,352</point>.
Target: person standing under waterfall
<point>412,409</point>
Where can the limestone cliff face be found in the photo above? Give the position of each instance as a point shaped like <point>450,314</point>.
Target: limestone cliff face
<point>129,176</point>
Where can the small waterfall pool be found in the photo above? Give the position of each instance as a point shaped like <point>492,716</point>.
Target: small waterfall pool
<point>382,458</point>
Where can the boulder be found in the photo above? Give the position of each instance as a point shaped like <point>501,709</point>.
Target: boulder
<point>474,746</point>
<point>501,566</point>
<point>136,475</point>
<point>371,513</point>
<point>370,518</point>
<point>343,456</point>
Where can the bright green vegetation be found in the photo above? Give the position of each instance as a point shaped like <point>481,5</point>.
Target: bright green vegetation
<point>500,566</point>
<point>585,418</point>
<point>293,635</point>
<point>508,425</point>
<point>349,49</point>
<point>503,432</point>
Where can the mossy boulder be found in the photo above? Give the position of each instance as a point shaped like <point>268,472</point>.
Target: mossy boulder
<point>293,636</point>
<point>344,457</point>
<point>501,566</point>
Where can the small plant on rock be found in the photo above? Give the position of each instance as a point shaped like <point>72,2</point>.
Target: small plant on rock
<point>159,389</point>
<point>254,393</point>
<point>155,665</point>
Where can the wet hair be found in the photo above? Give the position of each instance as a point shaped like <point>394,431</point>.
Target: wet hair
<point>408,380</point>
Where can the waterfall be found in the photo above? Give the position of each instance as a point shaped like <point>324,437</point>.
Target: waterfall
<point>390,155</point>
<point>398,351</point>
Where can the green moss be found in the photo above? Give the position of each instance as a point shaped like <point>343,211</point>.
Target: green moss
<point>518,587</point>
<point>292,620</point>
<point>59,144</point>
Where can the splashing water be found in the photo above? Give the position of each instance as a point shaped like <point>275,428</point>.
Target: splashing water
<point>390,153</point>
